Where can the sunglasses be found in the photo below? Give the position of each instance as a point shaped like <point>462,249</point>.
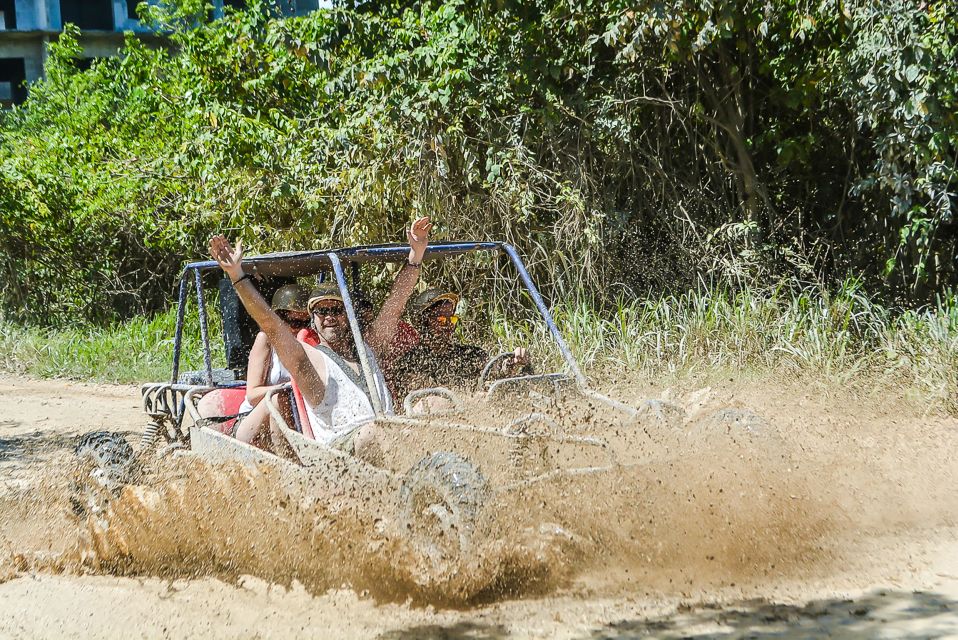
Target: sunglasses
<point>452,320</point>
<point>336,310</point>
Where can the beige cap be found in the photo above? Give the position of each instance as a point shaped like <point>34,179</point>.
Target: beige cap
<point>429,297</point>
<point>325,291</point>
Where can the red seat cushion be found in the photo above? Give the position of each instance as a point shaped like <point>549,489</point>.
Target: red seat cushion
<point>222,402</point>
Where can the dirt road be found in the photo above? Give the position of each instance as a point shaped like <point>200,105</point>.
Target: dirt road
<point>848,530</point>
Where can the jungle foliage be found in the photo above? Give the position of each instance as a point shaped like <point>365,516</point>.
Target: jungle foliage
<point>624,146</point>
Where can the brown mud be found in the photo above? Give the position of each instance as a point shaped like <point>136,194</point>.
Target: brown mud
<point>760,521</point>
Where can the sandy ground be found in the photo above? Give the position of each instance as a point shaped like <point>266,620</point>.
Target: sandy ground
<point>889,570</point>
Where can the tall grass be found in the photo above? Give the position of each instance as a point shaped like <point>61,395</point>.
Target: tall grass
<point>140,350</point>
<point>840,337</point>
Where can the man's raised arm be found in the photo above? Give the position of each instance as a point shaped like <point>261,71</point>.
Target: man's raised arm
<point>383,329</point>
<point>287,347</point>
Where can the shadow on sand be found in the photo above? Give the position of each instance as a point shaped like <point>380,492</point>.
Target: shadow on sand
<point>460,630</point>
<point>25,446</point>
<point>882,614</point>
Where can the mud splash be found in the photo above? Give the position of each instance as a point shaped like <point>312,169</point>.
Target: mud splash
<point>715,500</point>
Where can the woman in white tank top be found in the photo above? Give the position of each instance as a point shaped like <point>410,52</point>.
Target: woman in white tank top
<point>265,371</point>
<point>277,375</point>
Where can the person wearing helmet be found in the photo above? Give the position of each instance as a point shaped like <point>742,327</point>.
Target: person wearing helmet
<point>439,360</point>
<point>264,370</point>
<point>338,407</point>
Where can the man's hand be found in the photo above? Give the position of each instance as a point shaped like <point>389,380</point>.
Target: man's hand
<point>518,361</point>
<point>520,357</point>
<point>229,259</point>
<point>382,331</point>
<point>418,236</point>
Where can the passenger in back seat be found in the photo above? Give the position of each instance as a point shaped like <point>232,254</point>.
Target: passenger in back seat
<point>440,360</point>
<point>338,406</point>
<point>265,371</point>
<point>405,339</point>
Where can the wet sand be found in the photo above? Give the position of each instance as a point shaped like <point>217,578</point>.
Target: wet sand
<point>875,553</point>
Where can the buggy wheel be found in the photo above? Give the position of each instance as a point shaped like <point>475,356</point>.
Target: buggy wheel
<point>104,464</point>
<point>439,502</point>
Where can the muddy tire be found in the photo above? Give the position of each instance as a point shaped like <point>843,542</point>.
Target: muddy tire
<point>439,504</point>
<point>104,463</point>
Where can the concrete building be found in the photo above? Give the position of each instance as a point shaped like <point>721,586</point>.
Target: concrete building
<point>26,26</point>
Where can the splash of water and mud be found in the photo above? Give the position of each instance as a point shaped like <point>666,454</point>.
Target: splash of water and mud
<point>708,499</point>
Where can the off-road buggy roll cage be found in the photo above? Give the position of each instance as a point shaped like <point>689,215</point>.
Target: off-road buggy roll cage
<point>434,456</point>
<point>164,403</point>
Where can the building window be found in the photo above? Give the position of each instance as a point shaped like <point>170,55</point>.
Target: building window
<point>8,14</point>
<point>88,14</point>
<point>13,77</point>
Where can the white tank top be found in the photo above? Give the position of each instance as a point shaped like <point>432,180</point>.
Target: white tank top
<point>345,404</point>
<point>277,374</point>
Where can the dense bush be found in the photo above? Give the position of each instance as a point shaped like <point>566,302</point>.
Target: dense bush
<point>642,143</point>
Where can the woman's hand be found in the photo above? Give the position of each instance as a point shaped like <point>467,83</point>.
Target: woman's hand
<point>418,236</point>
<point>229,259</point>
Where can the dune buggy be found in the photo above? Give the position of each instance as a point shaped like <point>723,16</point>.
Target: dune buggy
<point>441,466</point>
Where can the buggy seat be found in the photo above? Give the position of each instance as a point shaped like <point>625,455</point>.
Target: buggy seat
<point>220,407</point>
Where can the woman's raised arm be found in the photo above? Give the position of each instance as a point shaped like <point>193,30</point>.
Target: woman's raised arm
<point>289,350</point>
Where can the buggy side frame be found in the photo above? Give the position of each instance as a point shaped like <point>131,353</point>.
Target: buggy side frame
<point>165,402</point>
